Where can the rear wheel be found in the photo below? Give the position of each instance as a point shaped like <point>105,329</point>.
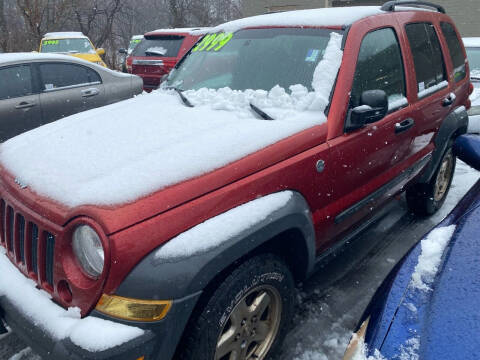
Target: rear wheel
<point>246,317</point>
<point>426,199</point>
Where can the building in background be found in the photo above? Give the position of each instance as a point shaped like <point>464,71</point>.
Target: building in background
<point>465,13</point>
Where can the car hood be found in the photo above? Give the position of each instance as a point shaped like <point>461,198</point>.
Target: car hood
<point>441,322</point>
<point>109,157</point>
<point>88,57</point>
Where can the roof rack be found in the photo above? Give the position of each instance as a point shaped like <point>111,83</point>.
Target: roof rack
<point>390,5</point>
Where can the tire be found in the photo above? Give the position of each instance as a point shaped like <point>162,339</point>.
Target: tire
<point>427,199</point>
<point>233,314</point>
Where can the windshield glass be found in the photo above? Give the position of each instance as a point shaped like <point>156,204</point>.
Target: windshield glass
<point>473,55</point>
<point>163,46</point>
<point>258,59</point>
<point>81,45</point>
<point>133,43</point>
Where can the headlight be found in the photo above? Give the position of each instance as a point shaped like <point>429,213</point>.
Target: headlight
<point>88,250</point>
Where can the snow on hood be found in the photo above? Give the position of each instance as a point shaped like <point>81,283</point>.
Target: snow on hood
<point>124,151</point>
<point>130,149</point>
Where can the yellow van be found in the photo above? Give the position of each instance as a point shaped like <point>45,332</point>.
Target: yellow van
<point>72,43</point>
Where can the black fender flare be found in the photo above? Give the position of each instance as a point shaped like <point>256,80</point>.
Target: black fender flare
<point>455,124</point>
<point>175,278</point>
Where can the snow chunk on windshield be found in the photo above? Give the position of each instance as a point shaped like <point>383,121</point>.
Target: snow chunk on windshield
<point>91,333</point>
<point>221,228</point>
<point>429,260</point>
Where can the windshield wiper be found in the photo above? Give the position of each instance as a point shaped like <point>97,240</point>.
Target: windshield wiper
<point>154,53</point>
<point>183,97</point>
<point>260,112</point>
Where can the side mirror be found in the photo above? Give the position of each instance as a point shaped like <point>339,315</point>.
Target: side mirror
<point>101,51</point>
<point>373,107</point>
<point>122,51</point>
<point>467,148</point>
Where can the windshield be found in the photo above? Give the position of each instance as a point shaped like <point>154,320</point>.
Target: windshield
<point>258,59</point>
<point>473,55</point>
<point>73,46</point>
<point>133,43</point>
<point>163,46</point>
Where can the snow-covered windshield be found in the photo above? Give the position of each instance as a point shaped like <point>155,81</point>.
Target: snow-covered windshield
<point>163,46</point>
<point>73,46</point>
<point>258,59</point>
<point>473,55</point>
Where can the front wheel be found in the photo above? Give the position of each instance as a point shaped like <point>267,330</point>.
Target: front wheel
<point>426,199</point>
<point>246,317</point>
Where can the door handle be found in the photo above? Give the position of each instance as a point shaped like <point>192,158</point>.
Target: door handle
<point>404,125</point>
<point>90,92</point>
<point>449,100</point>
<point>25,105</point>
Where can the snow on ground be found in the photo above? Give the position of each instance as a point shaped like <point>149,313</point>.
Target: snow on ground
<point>91,333</point>
<point>221,228</point>
<point>25,354</point>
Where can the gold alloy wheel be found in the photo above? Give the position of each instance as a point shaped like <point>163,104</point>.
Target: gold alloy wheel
<point>443,177</point>
<point>252,326</point>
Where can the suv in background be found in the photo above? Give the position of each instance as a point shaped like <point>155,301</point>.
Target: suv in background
<point>72,43</point>
<point>158,53</point>
<point>186,216</point>
<point>472,45</point>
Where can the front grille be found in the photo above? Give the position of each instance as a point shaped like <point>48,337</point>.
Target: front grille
<point>28,245</point>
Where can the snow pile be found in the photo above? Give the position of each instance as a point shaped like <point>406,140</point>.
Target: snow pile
<point>221,228</point>
<point>326,72</point>
<point>278,103</point>
<point>92,334</point>
<point>311,17</point>
<point>433,247</point>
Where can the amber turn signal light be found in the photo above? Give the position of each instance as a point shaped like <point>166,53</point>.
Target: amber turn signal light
<point>133,309</point>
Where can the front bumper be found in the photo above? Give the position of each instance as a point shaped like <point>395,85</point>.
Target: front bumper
<point>158,342</point>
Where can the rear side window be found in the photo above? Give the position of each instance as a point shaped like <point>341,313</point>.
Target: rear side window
<point>455,50</point>
<point>427,56</point>
<point>16,82</point>
<point>60,75</point>
<point>380,67</point>
<point>159,46</point>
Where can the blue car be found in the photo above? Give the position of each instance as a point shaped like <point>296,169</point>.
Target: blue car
<point>429,306</point>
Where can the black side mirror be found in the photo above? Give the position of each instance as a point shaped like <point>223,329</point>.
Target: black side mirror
<point>373,107</point>
<point>122,51</point>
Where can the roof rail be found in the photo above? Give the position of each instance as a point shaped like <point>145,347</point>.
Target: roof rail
<point>390,5</point>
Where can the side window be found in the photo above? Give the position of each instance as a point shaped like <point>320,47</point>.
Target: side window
<point>16,82</point>
<point>380,67</point>
<point>58,75</point>
<point>427,56</point>
<point>455,50</point>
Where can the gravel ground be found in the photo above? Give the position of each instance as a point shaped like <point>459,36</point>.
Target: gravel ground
<point>332,301</point>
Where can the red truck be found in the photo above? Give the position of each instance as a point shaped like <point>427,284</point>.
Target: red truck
<point>158,53</point>
<point>176,224</point>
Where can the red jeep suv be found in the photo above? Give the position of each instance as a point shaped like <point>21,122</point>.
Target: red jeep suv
<point>178,225</point>
<point>158,53</point>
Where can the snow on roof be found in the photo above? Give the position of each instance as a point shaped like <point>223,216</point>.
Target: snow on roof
<point>91,333</point>
<point>178,30</point>
<point>70,34</point>
<point>32,56</point>
<point>313,17</point>
<point>137,37</point>
<point>471,41</point>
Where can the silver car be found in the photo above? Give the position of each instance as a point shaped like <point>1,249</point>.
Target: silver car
<point>36,89</point>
